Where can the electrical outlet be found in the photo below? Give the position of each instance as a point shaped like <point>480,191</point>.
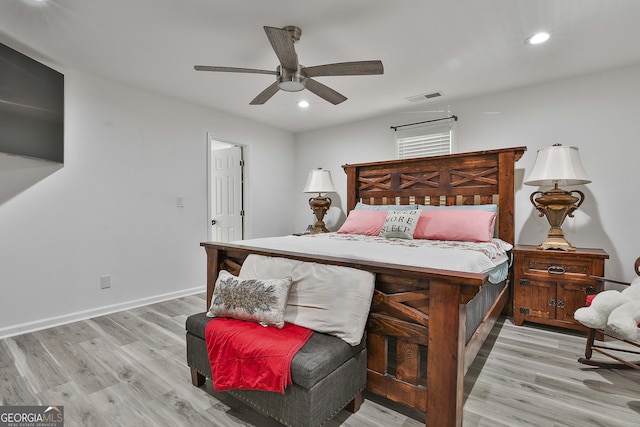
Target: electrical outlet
<point>180,202</point>
<point>105,282</point>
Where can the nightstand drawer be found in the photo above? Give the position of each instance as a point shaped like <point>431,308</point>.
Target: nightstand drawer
<point>557,267</point>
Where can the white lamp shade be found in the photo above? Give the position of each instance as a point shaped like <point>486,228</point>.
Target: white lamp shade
<point>558,164</point>
<point>319,181</point>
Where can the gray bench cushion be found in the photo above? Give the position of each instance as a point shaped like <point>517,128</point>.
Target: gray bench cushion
<point>321,355</point>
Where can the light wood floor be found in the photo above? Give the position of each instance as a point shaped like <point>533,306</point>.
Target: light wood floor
<point>129,369</point>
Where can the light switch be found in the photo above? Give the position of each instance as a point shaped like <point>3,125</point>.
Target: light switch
<point>180,202</point>
<point>105,282</point>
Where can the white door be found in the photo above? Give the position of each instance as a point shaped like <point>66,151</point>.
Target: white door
<point>225,196</point>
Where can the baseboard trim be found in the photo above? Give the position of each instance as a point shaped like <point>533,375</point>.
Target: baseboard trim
<point>51,322</point>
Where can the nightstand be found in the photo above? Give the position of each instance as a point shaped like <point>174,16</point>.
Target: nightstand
<point>549,286</point>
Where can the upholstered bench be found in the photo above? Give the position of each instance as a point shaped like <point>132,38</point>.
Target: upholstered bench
<point>327,373</point>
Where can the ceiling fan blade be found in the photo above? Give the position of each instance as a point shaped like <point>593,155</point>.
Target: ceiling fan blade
<point>325,92</point>
<point>282,42</point>
<point>265,95</point>
<point>232,69</point>
<point>356,68</point>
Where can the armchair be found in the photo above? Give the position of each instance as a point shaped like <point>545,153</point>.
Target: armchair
<point>614,315</point>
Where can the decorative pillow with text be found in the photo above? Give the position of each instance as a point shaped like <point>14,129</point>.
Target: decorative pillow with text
<point>400,224</point>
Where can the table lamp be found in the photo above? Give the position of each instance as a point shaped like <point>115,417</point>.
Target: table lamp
<point>554,166</point>
<point>319,181</point>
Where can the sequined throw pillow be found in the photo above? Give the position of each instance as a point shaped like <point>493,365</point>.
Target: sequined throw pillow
<point>262,301</point>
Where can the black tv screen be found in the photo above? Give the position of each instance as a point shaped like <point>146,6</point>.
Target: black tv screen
<point>31,107</point>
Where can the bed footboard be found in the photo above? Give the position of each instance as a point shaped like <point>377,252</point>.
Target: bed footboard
<point>414,311</point>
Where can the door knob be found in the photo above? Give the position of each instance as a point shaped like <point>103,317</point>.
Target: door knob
<point>213,222</point>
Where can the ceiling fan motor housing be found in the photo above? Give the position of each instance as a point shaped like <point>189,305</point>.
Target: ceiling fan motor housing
<point>291,80</point>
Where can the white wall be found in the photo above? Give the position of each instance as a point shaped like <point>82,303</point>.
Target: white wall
<point>599,113</point>
<point>111,210</point>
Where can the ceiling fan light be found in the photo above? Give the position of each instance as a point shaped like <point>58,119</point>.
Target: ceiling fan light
<point>291,85</point>
<point>289,80</point>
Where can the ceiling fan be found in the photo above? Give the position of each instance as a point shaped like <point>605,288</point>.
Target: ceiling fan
<point>293,77</point>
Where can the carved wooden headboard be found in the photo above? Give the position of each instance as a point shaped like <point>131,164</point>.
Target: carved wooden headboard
<point>474,178</point>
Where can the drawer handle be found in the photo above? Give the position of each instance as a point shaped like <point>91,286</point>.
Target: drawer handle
<point>556,269</point>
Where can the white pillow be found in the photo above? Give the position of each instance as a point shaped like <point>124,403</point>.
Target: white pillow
<point>400,224</point>
<point>326,298</point>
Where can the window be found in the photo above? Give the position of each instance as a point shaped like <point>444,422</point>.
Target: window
<point>425,140</point>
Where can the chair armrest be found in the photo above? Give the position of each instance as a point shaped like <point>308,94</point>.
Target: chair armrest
<point>601,280</point>
<point>604,279</point>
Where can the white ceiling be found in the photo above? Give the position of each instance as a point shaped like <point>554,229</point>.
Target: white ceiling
<point>460,48</point>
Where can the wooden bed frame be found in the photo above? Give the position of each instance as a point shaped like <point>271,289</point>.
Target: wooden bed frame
<point>416,308</point>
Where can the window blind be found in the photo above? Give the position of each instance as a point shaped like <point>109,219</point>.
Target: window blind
<point>430,140</point>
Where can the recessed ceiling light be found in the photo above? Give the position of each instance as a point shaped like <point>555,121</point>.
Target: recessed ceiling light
<point>537,38</point>
<point>303,104</point>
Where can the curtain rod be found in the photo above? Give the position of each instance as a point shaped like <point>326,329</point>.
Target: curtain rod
<point>426,121</point>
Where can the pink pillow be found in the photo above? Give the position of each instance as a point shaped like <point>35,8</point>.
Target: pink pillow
<point>453,224</point>
<point>367,222</point>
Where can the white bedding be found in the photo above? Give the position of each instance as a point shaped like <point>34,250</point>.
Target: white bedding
<point>471,257</point>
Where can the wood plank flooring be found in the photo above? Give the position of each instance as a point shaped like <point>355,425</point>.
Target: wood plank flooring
<point>129,369</point>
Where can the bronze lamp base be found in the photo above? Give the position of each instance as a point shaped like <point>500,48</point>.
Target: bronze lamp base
<point>556,205</point>
<point>319,205</point>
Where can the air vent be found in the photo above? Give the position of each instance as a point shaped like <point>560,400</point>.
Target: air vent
<point>424,96</point>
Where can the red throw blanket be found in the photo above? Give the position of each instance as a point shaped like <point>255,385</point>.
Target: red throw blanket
<point>246,355</point>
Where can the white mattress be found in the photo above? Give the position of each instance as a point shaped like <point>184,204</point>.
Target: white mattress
<point>471,257</point>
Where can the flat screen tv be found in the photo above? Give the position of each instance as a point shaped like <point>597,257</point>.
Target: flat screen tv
<point>31,107</point>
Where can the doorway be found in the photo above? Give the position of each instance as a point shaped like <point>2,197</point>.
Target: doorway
<point>225,176</point>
